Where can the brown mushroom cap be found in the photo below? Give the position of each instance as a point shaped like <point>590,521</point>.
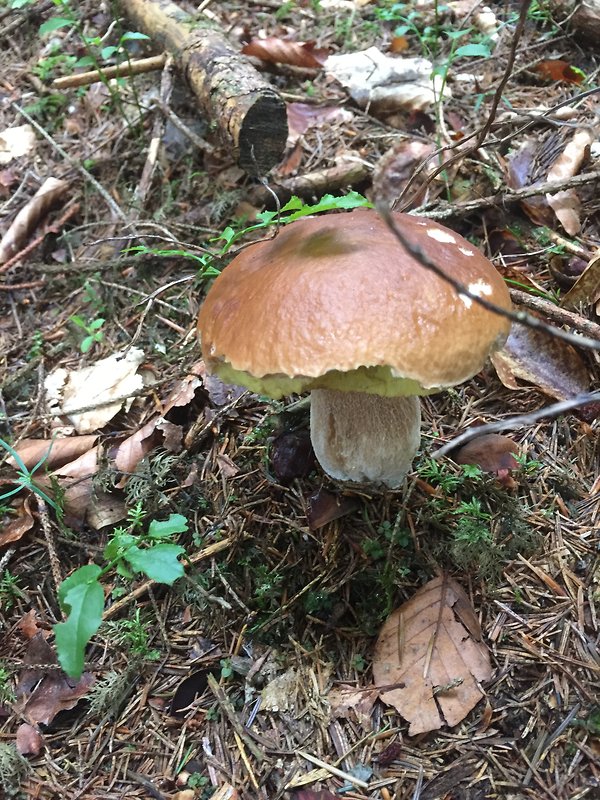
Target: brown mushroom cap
<point>336,302</point>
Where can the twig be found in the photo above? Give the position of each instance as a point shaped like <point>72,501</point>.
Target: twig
<point>483,132</point>
<point>48,536</point>
<point>11,287</point>
<point>515,316</point>
<point>127,69</point>
<point>519,421</point>
<point>200,143</point>
<point>56,227</point>
<point>73,163</point>
<point>556,313</point>
<point>446,210</point>
<point>227,708</point>
<point>333,770</point>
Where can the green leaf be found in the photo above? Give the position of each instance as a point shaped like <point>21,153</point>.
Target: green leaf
<point>84,61</point>
<point>82,598</point>
<point>108,51</point>
<point>130,36</point>
<point>119,543</point>
<point>473,50</point>
<point>165,528</point>
<point>159,562</point>
<point>86,344</point>
<point>326,203</point>
<point>95,324</point>
<point>54,24</point>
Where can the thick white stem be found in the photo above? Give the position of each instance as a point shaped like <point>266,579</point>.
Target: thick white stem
<point>365,438</point>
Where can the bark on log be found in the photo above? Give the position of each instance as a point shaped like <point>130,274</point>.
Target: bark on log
<point>249,113</point>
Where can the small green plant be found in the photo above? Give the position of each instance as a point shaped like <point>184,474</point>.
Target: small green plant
<point>9,591</point>
<point>13,769</point>
<point>7,695</point>
<point>25,478</point>
<point>93,331</point>
<point>132,635</point>
<point>226,668</point>
<point>222,244</point>
<point>129,551</point>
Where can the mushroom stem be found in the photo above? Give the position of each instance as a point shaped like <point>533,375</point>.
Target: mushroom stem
<point>364,437</point>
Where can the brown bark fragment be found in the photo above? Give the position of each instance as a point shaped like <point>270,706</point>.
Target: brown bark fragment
<point>250,114</point>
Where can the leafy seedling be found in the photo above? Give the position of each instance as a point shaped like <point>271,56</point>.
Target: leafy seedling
<point>92,330</point>
<point>81,595</point>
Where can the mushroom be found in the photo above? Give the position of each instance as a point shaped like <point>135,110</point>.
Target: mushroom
<point>335,305</point>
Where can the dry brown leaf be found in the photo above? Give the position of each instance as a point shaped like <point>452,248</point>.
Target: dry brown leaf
<point>282,51</point>
<point>566,204</point>
<point>29,740</point>
<point>136,447</point>
<point>429,652</point>
<point>491,453</point>
<point>55,452</point>
<point>30,625</point>
<point>302,117</point>
<point>397,166</point>
<point>350,702</point>
<point>184,390</point>
<point>55,693</point>
<point>18,527</point>
<point>537,358</point>
<point>586,289</point>
<point>29,216</point>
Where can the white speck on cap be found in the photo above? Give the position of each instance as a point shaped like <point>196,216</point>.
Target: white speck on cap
<point>440,235</point>
<point>478,288</point>
<point>466,252</point>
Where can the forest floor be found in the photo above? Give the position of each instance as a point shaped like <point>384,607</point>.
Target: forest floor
<point>251,676</point>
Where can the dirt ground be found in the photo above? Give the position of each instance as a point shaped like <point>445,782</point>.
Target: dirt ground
<point>228,683</point>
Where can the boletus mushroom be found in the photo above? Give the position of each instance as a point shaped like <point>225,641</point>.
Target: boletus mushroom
<point>335,305</point>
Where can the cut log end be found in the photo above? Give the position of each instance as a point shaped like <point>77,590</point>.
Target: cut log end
<point>263,134</point>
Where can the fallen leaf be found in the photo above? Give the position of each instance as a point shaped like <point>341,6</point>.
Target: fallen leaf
<point>280,694</point>
<point>95,386</point>
<point>491,453</point>
<point>42,695</point>
<point>390,754</point>
<point>302,117</point>
<point>184,391</point>
<point>537,358</point>
<point>227,467</point>
<point>309,794</point>
<point>386,83</point>
<point>225,792</point>
<point>324,507</point>
<point>350,702</point>
<point>54,452</point>
<point>129,453</point>
<point>30,215</point>
<point>586,289</point>
<point>566,204</point>
<point>555,69</point>
<point>430,655</point>
<point>30,625</point>
<point>221,394</point>
<point>29,740</point>
<point>292,456</point>
<point>397,166</point>
<point>283,51</point>
<point>16,142</point>
<point>18,527</point>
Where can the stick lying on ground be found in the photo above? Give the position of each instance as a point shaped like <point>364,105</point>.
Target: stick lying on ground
<point>250,115</point>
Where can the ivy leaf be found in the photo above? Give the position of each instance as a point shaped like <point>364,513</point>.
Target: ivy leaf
<point>164,529</point>
<point>54,24</point>
<point>160,563</point>
<point>82,598</point>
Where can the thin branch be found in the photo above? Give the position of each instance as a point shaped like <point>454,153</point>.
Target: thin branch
<point>483,132</point>
<point>515,316</point>
<point>446,210</point>
<point>124,70</point>
<point>519,421</point>
<point>560,315</point>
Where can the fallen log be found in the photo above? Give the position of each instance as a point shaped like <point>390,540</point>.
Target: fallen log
<point>250,115</point>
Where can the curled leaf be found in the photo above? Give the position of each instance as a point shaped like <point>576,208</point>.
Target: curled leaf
<point>282,51</point>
